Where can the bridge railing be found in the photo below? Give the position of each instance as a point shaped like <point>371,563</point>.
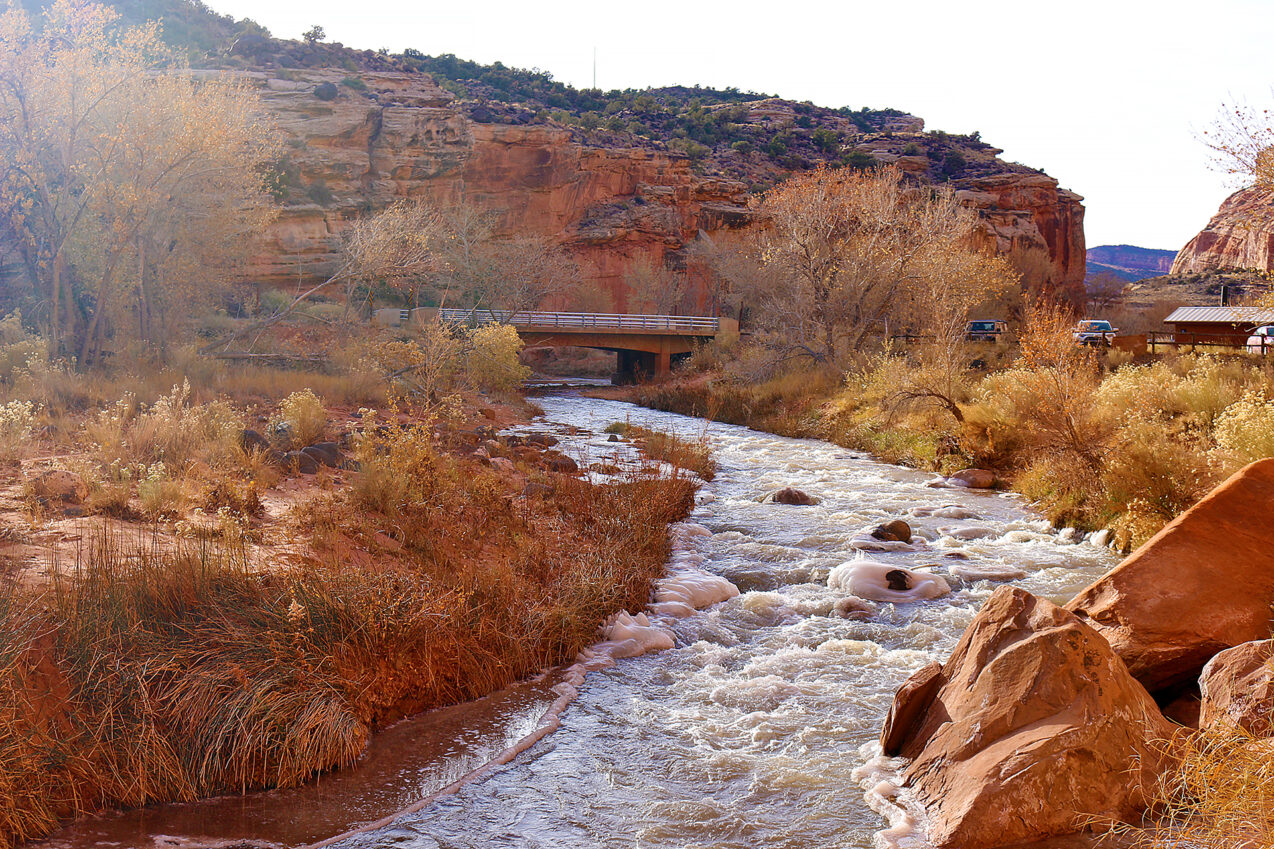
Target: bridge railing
<point>577,320</point>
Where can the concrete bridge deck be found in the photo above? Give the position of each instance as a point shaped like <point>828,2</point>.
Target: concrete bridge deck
<point>646,345</point>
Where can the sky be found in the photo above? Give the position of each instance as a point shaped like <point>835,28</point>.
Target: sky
<point>1111,97</point>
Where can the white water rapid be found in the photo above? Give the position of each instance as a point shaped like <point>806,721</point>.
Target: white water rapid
<point>748,732</point>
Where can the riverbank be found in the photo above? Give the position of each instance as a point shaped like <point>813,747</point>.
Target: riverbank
<point>1094,441</point>
<point>231,584</point>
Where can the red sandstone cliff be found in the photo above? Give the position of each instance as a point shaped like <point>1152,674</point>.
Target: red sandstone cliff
<point>1239,236</point>
<point>403,136</point>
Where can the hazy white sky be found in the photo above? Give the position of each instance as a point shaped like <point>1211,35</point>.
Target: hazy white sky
<point>1108,96</point>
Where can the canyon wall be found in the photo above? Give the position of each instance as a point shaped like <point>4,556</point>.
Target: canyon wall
<point>391,135</point>
<point>1240,236</point>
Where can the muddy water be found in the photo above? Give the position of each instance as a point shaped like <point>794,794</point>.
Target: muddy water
<point>746,734</point>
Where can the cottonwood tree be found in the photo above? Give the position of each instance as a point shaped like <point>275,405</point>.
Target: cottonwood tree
<point>484,270</point>
<point>851,255</point>
<point>398,246</point>
<point>126,182</point>
<point>655,289</point>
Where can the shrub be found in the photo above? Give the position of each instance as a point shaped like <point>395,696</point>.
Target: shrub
<point>826,140</point>
<point>20,351</point>
<point>17,421</point>
<point>171,430</point>
<point>319,192</point>
<point>1245,432</point>
<point>492,361</point>
<point>354,83</point>
<point>302,417</point>
<point>743,147</point>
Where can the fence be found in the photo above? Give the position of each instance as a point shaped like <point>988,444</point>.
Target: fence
<point>1206,341</point>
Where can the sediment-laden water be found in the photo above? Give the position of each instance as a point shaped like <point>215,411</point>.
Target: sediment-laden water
<point>746,734</point>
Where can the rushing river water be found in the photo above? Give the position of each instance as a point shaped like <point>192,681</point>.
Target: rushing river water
<point>746,734</point>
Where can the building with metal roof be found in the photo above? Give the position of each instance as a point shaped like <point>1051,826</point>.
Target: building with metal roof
<point>1228,326</point>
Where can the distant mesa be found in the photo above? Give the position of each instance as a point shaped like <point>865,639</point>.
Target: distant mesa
<point>1128,262</point>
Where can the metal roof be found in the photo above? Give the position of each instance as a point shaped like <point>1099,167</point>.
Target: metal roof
<point>1221,315</point>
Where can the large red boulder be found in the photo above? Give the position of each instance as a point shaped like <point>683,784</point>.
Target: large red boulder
<point>1202,584</point>
<point>1031,727</point>
<point>1237,687</point>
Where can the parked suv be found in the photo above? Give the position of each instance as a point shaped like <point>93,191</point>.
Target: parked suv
<point>984,330</point>
<point>1094,331</point>
<point>1262,340</point>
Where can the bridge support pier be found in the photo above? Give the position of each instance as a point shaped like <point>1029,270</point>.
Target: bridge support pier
<point>633,367</point>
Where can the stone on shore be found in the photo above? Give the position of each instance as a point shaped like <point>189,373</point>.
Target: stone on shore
<point>1203,584</point>
<point>1237,686</point>
<point>59,485</point>
<point>973,479</point>
<point>1033,725</point>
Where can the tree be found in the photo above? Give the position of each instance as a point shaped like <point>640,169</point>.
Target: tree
<point>1105,290</point>
<point>655,289</point>
<point>481,269</point>
<point>1242,144</point>
<point>398,246</point>
<point>126,183</point>
<point>849,254</point>
<point>314,35</point>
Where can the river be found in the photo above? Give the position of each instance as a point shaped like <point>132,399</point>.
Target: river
<point>746,734</point>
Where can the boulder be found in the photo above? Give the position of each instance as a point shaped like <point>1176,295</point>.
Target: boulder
<point>791,495</point>
<point>59,485</point>
<point>1237,686</point>
<point>1033,725</point>
<point>613,438</point>
<point>541,439</point>
<point>502,464</point>
<point>299,461</point>
<point>534,490</point>
<point>910,703</point>
<point>895,531</point>
<point>886,582</point>
<point>561,463</point>
<point>973,479</point>
<point>1203,584</point>
<point>253,440</point>
<point>326,454</point>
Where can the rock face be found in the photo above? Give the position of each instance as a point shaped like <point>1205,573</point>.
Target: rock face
<point>1238,688</point>
<point>1202,584</point>
<point>402,136</point>
<point>1032,725</point>
<point>1239,236</point>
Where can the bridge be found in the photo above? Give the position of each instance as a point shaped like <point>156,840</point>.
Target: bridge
<point>646,345</point>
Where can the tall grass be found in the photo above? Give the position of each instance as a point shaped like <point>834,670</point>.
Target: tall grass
<point>693,455</point>
<point>158,669</point>
<point>1220,795</point>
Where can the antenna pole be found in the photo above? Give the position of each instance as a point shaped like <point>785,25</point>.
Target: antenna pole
<point>594,67</point>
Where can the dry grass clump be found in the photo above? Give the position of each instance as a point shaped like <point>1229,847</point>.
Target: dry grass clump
<point>173,431</point>
<point>787,403</point>
<point>693,455</point>
<point>1220,796</point>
